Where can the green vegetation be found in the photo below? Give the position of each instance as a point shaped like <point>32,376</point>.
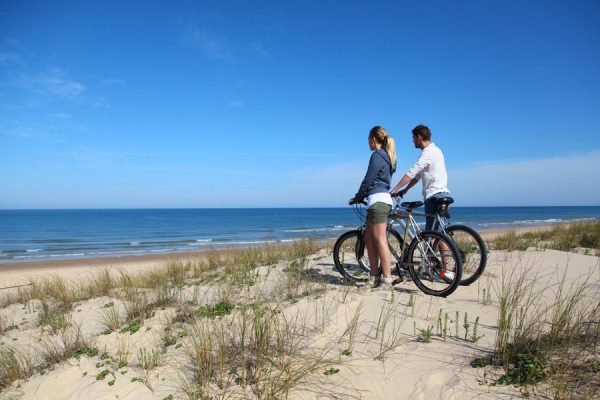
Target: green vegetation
<point>218,310</point>
<point>133,327</point>
<point>426,334</point>
<point>331,371</point>
<point>547,334</point>
<point>102,375</point>
<point>559,237</point>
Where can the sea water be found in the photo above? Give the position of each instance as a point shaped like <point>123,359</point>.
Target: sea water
<point>36,235</point>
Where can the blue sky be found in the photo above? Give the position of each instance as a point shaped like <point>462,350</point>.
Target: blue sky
<point>269,103</point>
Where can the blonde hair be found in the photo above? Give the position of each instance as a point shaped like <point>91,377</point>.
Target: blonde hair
<point>386,141</point>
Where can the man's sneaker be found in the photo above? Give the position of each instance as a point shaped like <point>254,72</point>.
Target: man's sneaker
<point>447,275</point>
<point>441,277</point>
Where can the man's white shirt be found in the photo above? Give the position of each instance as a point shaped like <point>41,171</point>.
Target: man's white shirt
<point>431,169</point>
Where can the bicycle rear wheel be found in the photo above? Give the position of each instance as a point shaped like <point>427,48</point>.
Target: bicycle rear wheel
<point>428,257</point>
<point>346,255</point>
<point>472,252</point>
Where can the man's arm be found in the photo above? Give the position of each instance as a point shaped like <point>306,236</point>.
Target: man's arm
<point>405,179</point>
<point>412,176</point>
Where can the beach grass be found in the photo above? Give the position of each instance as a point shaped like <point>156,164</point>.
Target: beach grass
<point>275,356</point>
<point>242,323</point>
<point>565,237</point>
<point>548,334</point>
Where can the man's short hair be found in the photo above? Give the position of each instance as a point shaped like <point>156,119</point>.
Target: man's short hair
<point>422,131</point>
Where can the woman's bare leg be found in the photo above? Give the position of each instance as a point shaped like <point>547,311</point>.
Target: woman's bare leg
<point>379,235</point>
<point>372,249</point>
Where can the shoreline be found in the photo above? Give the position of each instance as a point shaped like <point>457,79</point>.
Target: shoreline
<point>167,256</point>
<point>94,252</point>
<point>147,259</point>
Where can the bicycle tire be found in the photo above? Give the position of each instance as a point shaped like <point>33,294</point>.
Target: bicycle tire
<point>425,261</point>
<point>472,250</point>
<point>345,256</point>
<point>395,244</point>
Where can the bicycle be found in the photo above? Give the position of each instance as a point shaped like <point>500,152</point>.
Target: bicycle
<point>471,246</point>
<point>427,257</point>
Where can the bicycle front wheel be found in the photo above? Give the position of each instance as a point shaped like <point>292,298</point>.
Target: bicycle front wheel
<point>472,251</point>
<point>434,263</point>
<point>347,252</point>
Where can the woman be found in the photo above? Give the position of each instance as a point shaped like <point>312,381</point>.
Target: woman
<point>374,188</point>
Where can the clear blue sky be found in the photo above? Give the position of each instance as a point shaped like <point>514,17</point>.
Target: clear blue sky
<point>269,103</point>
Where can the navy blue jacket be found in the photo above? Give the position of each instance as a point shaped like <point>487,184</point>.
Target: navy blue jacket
<point>378,177</point>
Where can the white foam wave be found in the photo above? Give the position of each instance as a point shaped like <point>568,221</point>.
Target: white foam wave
<point>303,230</point>
<point>539,221</point>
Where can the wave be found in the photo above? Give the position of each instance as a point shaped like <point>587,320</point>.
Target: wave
<point>325,229</point>
<point>533,222</point>
<point>51,241</point>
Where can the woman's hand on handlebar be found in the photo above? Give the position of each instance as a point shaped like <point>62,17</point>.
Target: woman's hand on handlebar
<point>353,201</point>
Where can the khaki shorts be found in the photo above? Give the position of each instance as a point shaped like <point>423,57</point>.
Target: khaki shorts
<point>378,213</point>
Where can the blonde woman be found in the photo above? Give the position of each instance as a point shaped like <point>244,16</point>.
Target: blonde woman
<point>374,188</point>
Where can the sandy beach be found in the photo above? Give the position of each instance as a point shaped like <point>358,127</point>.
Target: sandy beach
<point>19,273</point>
<point>355,343</point>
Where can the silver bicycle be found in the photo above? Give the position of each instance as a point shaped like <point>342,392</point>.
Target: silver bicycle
<point>431,258</point>
<point>471,246</point>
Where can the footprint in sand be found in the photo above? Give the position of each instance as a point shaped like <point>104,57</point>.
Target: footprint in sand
<point>436,385</point>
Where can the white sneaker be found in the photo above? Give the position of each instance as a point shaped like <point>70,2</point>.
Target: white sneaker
<point>386,283</point>
<point>447,275</point>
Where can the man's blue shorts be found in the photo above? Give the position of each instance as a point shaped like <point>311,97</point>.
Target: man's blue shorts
<point>431,208</point>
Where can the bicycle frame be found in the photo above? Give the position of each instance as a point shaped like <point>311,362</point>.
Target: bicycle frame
<point>410,226</point>
<point>439,221</point>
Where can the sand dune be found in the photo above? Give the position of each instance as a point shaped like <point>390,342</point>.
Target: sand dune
<point>370,343</point>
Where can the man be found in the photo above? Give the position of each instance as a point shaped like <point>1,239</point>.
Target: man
<point>430,168</point>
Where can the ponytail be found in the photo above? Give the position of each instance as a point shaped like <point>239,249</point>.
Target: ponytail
<point>390,148</point>
<point>387,142</point>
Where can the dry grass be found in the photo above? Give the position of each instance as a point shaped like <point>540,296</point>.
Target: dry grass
<point>274,353</point>
<point>256,351</point>
<point>547,337</point>
<point>560,237</point>
<point>14,365</point>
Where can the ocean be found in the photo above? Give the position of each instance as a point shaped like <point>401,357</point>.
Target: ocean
<point>38,235</point>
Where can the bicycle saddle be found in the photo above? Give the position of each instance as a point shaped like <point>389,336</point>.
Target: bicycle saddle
<point>444,200</point>
<point>410,205</point>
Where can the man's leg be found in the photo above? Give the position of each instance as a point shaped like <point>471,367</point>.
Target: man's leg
<point>431,209</point>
